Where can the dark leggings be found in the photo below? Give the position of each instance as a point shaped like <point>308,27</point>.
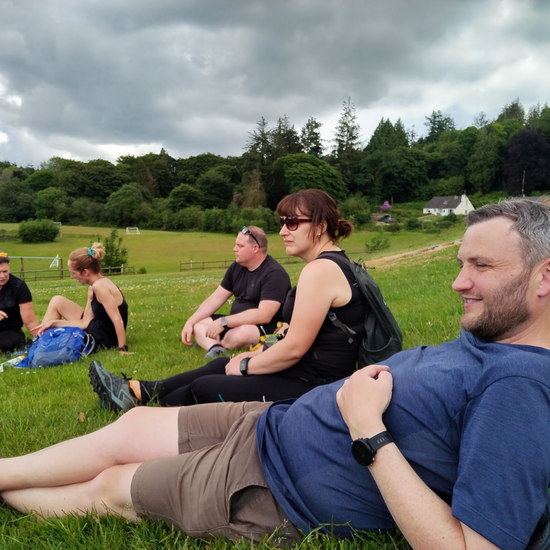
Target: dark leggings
<point>11,340</point>
<point>209,384</point>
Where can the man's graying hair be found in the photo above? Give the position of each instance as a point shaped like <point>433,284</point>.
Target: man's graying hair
<point>531,220</point>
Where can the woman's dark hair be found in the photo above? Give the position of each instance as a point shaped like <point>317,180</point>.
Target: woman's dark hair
<point>319,207</point>
<point>88,258</point>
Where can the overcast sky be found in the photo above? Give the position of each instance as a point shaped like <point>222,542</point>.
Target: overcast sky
<point>87,79</point>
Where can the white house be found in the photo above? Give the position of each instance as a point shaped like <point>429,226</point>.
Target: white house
<point>443,206</point>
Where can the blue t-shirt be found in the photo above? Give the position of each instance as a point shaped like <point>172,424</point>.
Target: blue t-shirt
<point>472,418</point>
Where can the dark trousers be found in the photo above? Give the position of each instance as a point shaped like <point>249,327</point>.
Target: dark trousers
<point>209,384</point>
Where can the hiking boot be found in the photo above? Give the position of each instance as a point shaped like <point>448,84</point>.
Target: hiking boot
<point>114,391</point>
<point>215,351</point>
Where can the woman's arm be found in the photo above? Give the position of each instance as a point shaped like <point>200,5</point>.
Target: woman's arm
<point>104,296</point>
<point>321,285</point>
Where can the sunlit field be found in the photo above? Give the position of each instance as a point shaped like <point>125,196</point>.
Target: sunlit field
<point>42,407</point>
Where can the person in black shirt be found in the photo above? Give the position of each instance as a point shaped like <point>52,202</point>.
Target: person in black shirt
<point>259,284</point>
<point>16,309</point>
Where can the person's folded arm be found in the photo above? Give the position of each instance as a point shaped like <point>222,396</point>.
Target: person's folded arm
<point>423,517</point>
<point>261,315</point>
<point>315,293</point>
<point>206,309</point>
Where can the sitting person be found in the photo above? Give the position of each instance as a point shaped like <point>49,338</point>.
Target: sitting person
<point>448,442</point>
<point>259,284</point>
<point>16,309</point>
<point>313,352</point>
<point>106,313</point>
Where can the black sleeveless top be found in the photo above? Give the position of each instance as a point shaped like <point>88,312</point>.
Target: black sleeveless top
<point>101,327</point>
<point>331,356</point>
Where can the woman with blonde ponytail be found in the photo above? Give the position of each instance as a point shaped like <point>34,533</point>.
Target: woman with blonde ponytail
<point>106,313</point>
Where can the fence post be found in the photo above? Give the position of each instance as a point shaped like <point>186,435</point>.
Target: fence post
<point>191,265</point>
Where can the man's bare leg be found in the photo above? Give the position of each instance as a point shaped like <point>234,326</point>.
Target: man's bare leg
<point>143,433</point>
<point>108,492</point>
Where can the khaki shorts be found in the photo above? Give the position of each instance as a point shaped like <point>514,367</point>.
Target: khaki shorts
<point>216,486</point>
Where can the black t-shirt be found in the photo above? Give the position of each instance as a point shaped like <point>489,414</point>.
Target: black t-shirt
<point>269,281</point>
<point>14,293</point>
<point>331,356</point>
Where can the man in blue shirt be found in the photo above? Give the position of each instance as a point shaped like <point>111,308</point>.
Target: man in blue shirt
<point>448,443</point>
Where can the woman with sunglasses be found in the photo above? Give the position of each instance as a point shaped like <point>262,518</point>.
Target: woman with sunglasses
<point>313,352</point>
<point>106,314</point>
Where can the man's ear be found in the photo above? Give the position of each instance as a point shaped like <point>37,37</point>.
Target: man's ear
<point>544,282</point>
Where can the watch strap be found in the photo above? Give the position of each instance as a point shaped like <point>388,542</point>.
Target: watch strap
<point>244,366</point>
<point>379,440</point>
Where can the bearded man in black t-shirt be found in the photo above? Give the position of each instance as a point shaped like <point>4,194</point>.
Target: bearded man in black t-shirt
<point>16,308</point>
<point>259,284</point>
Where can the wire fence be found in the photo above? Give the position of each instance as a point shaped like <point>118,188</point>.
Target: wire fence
<point>56,269</point>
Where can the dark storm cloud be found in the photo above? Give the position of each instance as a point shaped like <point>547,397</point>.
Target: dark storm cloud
<point>81,77</point>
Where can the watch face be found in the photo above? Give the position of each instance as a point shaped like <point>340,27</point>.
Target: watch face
<point>223,321</point>
<point>363,452</point>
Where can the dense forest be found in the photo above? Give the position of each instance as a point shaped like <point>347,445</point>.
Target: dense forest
<point>510,154</point>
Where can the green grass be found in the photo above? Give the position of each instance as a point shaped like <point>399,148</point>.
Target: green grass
<point>42,407</point>
<point>162,251</point>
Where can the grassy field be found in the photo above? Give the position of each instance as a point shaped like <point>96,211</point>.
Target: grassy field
<point>42,407</point>
<point>162,251</point>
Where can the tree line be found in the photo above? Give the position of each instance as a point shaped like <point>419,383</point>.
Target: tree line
<point>510,154</point>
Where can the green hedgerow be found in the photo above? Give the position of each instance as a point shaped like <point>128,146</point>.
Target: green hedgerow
<point>38,231</point>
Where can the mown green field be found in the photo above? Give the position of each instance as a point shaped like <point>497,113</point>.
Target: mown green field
<point>42,407</point>
<point>162,251</point>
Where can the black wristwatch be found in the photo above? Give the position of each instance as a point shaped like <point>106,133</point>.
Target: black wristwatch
<point>223,321</point>
<point>364,449</point>
<point>244,366</point>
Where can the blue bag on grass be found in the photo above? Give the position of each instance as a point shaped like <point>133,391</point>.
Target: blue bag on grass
<point>57,346</point>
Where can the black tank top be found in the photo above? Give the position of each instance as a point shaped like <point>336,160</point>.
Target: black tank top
<point>331,356</point>
<point>101,327</point>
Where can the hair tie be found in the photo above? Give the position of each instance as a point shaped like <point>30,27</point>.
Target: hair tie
<point>338,223</point>
<point>90,252</point>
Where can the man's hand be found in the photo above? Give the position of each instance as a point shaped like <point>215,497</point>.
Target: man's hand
<point>186,334</point>
<point>3,315</point>
<point>363,399</point>
<point>214,330</point>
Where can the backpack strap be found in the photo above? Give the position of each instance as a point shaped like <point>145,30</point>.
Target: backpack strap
<point>349,332</point>
<point>89,345</point>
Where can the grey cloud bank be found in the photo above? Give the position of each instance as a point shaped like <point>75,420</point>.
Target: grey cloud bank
<point>90,79</point>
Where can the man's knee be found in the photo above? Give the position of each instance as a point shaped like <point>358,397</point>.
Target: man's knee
<point>238,337</point>
<point>109,492</point>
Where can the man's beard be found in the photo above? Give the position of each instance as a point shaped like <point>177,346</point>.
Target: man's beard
<point>503,311</point>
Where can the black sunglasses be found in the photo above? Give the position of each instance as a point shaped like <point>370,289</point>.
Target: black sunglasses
<point>292,222</point>
<point>246,231</point>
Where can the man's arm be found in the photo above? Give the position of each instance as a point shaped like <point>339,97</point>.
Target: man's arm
<point>206,309</point>
<point>29,318</point>
<point>424,519</point>
<point>260,315</point>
